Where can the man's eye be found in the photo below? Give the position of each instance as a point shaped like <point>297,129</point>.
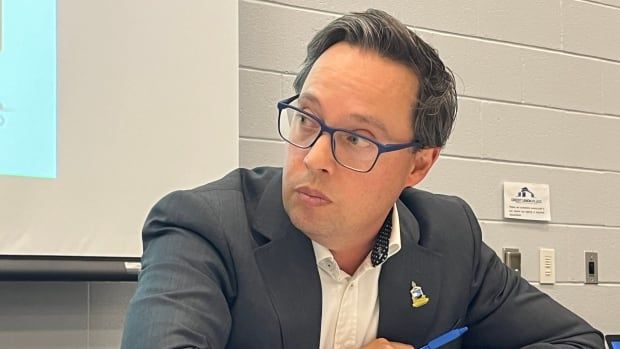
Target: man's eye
<point>357,141</point>
<point>304,120</point>
<point>353,139</point>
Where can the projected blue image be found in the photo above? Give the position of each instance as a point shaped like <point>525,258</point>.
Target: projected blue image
<point>28,88</point>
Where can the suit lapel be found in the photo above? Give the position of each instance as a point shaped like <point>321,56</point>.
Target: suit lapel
<point>288,267</point>
<point>398,319</point>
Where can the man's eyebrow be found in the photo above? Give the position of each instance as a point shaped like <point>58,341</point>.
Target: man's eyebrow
<point>367,119</point>
<point>310,98</point>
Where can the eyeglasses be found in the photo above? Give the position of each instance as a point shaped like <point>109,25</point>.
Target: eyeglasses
<point>351,150</point>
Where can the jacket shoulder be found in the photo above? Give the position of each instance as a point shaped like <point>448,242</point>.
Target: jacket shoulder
<point>424,204</point>
<point>442,219</point>
<point>242,179</point>
<point>211,205</point>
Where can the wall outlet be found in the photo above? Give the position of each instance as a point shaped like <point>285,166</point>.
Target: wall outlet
<point>512,258</point>
<point>547,266</point>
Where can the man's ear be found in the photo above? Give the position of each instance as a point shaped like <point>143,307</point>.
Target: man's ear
<point>422,162</point>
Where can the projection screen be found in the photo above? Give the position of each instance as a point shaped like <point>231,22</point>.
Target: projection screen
<point>106,106</point>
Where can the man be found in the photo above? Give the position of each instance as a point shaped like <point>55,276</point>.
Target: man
<point>337,250</point>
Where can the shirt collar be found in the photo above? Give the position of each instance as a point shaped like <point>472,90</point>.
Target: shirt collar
<point>394,245</point>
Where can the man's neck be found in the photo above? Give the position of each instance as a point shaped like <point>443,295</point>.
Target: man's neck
<point>351,253</point>
<point>350,258</point>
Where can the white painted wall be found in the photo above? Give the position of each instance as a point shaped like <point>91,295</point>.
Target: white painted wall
<point>539,102</point>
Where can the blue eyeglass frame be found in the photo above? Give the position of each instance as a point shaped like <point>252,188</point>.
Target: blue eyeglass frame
<point>382,148</point>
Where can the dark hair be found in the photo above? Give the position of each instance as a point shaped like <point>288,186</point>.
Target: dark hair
<point>435,111</point>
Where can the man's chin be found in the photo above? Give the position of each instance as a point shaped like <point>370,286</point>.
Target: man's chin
<point>302,221</point>
<point>297,218</point>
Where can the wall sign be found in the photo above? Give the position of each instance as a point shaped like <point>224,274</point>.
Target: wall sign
<point>527,201</point>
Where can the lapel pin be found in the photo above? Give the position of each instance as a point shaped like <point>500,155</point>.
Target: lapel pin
<point>418,298</point>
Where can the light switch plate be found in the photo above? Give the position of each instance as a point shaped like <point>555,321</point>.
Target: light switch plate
<point>547,266</point>
<point>591,267</point>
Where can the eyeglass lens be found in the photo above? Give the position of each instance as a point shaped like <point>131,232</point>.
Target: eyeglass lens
<point>348,148</point>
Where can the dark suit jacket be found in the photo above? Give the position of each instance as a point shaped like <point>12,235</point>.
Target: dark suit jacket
<point>223,267</point>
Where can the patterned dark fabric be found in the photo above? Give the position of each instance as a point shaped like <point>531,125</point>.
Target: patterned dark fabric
<point>382,242</point>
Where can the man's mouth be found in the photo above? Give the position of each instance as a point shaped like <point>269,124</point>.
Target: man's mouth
<point>312,196</point>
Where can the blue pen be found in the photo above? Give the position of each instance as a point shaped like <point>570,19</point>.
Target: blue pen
<point>445,338</point>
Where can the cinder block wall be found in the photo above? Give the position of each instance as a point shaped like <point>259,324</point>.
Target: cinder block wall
<point>539,102</point>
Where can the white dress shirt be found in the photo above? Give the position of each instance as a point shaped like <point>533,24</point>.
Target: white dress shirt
<point>350,311</point>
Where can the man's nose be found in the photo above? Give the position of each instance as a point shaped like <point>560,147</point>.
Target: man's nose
<point>320,156</point>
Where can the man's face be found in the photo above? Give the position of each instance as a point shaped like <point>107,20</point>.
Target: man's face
<point>358,90</point>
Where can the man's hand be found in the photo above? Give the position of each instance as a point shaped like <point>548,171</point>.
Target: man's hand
<point>382,343</point>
